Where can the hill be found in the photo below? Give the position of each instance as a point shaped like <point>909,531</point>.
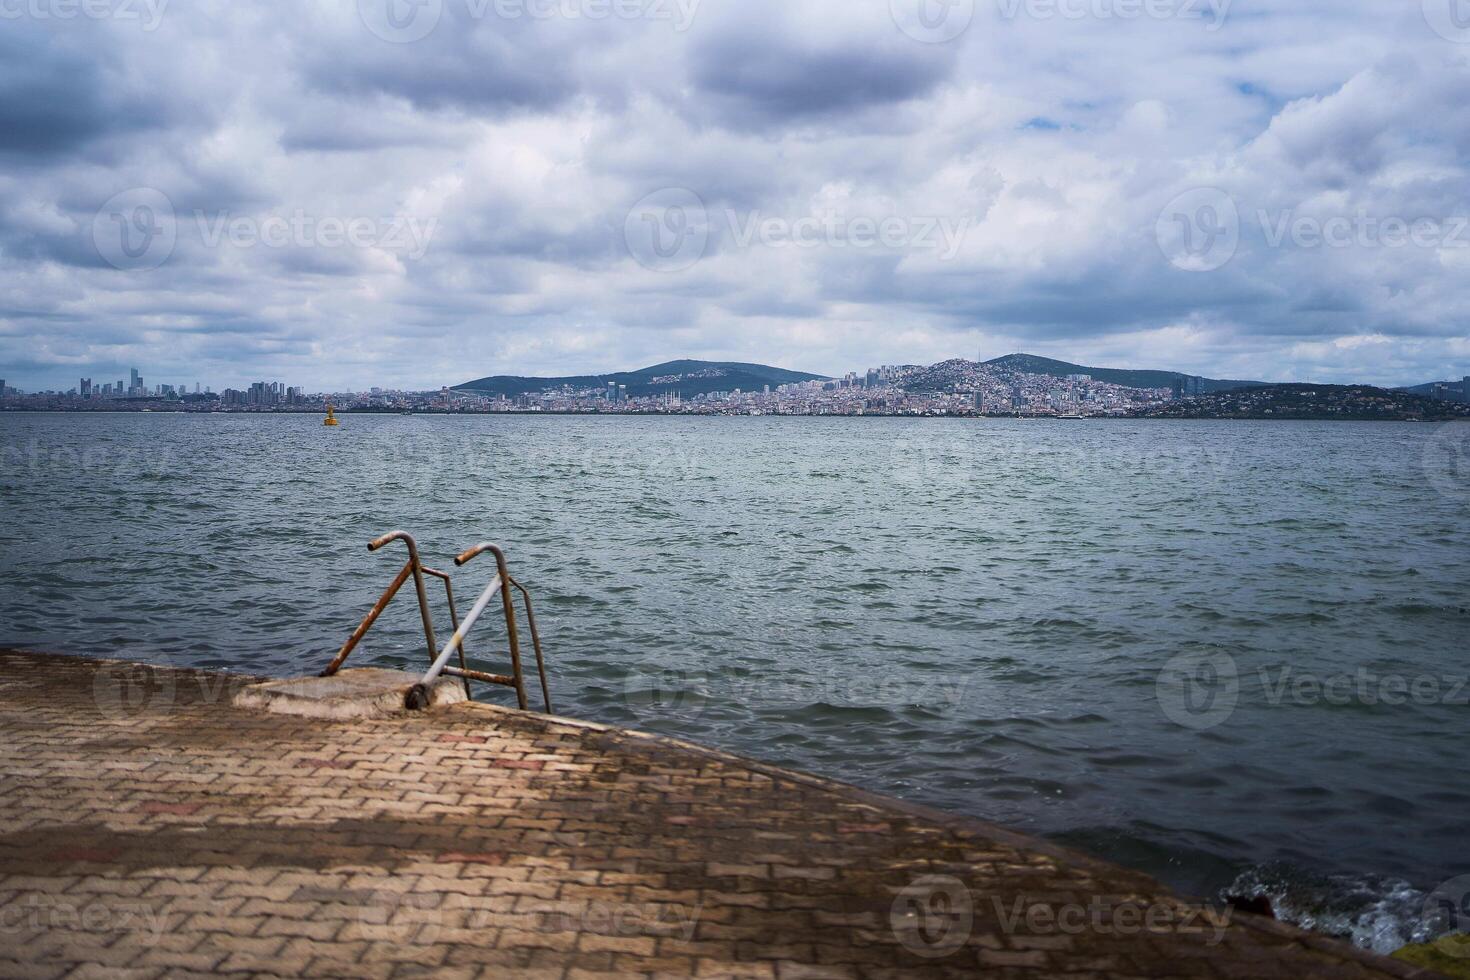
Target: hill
<point>1032,364</point>
<point>687,378</point>
<point>1307,401</point>
<point>1455,391</point>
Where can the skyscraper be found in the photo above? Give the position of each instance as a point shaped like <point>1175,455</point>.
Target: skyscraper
<point>135,382</point>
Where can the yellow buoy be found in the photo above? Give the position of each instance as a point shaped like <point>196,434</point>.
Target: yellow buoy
<point>331,418</point>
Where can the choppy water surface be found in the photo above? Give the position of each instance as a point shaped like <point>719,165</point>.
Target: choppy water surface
<point>1105,632</point>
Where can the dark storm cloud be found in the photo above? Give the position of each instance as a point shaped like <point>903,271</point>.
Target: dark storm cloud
<point>478,65</point>
<point>753,79</point>
<point>59,95</point>
<point>503,79</point>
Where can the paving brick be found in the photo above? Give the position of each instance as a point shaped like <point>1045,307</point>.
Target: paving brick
<point>477,841</point>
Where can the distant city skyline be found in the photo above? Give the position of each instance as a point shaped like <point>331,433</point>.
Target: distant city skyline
<point>1019,384</point>
<point>133,374</point>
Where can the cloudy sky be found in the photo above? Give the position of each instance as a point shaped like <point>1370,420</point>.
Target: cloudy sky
<point>344,193</point>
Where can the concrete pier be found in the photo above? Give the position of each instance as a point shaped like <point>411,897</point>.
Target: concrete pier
<point>150,827</point>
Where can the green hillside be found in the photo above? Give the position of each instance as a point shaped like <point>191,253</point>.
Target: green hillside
<point>687,378</point>
<point>1309,401</point>
<point>1032,364</point>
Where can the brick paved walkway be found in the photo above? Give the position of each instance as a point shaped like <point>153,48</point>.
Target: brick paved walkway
<point>148,828</point>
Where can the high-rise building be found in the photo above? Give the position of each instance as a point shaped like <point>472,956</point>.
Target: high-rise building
<point>86,387</point>
<point>135,382</point>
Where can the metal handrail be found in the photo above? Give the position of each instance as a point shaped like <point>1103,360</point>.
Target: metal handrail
<point>414,568</point>
<point>536,642</point>
<point>419,696</point>
<point>465,672</point>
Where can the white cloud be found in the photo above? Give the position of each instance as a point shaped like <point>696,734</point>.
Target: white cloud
<point>526,142</point>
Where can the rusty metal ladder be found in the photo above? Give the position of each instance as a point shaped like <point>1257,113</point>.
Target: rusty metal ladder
<point>418,696</point>
<point>500,585</point>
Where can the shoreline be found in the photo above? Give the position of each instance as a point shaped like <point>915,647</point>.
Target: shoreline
<point>341,413</point>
